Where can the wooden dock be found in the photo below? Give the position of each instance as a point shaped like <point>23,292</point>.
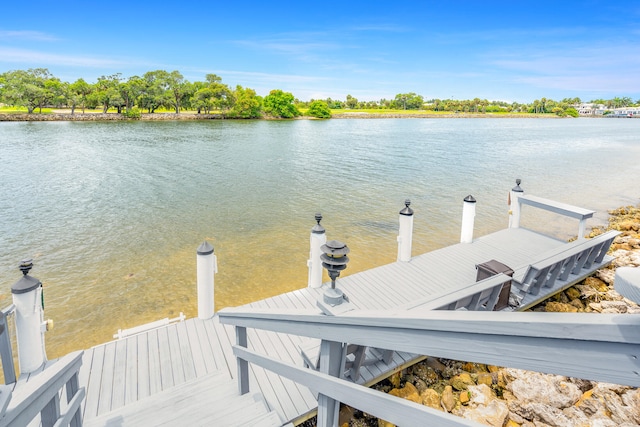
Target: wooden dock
<point>135,369</point>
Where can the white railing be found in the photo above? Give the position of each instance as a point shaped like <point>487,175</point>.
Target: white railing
<point>597,347</point>
<point>41,396</point>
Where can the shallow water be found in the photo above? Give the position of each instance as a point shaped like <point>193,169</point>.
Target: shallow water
<point>112,213</point>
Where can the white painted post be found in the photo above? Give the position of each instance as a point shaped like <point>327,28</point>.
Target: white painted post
<point>316,240</point>
<point>207,266</point>
<point>30,325</point>
<point>468,219</point>
<point>405,232</point>
<point>514,205</point>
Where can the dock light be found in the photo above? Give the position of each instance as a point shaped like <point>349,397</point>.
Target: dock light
<point>334,259</point>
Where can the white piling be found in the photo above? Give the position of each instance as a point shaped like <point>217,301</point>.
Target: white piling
<point>207,266</point>
<point>514,205</point>
<point>316,240</point>
<point>468,219</point>
<point>30,325</point>
<point>405,232</point>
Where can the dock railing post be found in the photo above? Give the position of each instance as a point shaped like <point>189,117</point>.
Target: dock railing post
<point>206,269</point>
<point>405,232</point>
<point>243,365</point>
<point>6,353</point>
<point>332,358</point>
<point>468,219</point>
<point>514,205</point>
<point>317,239</point>
<point>30,324</point>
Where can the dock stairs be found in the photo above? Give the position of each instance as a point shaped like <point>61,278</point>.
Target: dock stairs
<point>209,400</point>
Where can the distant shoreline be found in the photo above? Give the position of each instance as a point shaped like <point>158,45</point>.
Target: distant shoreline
<point>37,117</point>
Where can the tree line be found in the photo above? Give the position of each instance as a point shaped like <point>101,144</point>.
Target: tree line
<point>37,88</point>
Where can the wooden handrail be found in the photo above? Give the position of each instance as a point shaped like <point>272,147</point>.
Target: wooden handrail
<point>599,347</point>
<point>564,209</point>
<point>41,395</point>
<point>384,406</point>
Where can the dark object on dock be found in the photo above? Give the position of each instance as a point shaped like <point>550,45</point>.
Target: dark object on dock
<point>491,268</point>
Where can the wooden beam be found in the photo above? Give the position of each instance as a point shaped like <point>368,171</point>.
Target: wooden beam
<point>598,347</point>
<point>396,410</point>
<point>556,207</point>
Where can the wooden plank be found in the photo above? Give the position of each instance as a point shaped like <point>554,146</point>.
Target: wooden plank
<point>154,373</point>
<point>119,373</point>
<point>142,370</point>
<point>186,354</point>
<point>106,385</point>
<point>177,365</point>
<point>221,346</point>
<point>205,346</point>
<point>196,348</point>
<point>94,381</point>
<point>285,400</point>
<point>131,376</point>
<point>166,368</point>
<point>85,372</point>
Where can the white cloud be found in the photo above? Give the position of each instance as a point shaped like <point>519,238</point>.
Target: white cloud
<point>23,56</point>
<point>27,35</point>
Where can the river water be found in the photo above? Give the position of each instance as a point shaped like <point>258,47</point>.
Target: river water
<point>112,212</point>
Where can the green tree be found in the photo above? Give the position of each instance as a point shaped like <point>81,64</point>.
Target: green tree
<point>131,90</point>
<point>78,92</point>
<point>155,91</point>
<point>247,104</point>
<point>31,88</point>
<point>351,102</point>
<point>107,93</point>
<point>572,112</point>
<point>408,101</point>
<point>178,88</point>
<point>319,109</point>
<point>280,104</point>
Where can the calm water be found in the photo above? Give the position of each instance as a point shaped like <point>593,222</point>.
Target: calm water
<point>113,213</point>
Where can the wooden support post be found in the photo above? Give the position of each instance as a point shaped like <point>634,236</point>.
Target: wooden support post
<point>582,228</point>
<point>317,239</point>
<point>243,365</point>
<point>206,269</point>
<point>72,387</point>
<point>405,232</point>
<point>332,358</point>
<point>514,205</point>
<point>51,412</point>
<point>468,219</point>
<point>6,353</point>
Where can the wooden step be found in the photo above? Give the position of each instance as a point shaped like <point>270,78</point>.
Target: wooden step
<point>212,399</point>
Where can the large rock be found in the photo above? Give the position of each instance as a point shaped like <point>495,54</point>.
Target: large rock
<point>409,392</point>
<point>462,381</point>
<point>619,403</point>
<point>483,407</point>
<point>560,307</point>
<point>552,390</point>
<point>431,398</point>
<point>448,399</point>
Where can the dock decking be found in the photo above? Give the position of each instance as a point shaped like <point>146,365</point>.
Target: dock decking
<point>122,372</point>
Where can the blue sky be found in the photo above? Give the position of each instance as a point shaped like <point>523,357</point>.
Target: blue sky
<point>498,50</point>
